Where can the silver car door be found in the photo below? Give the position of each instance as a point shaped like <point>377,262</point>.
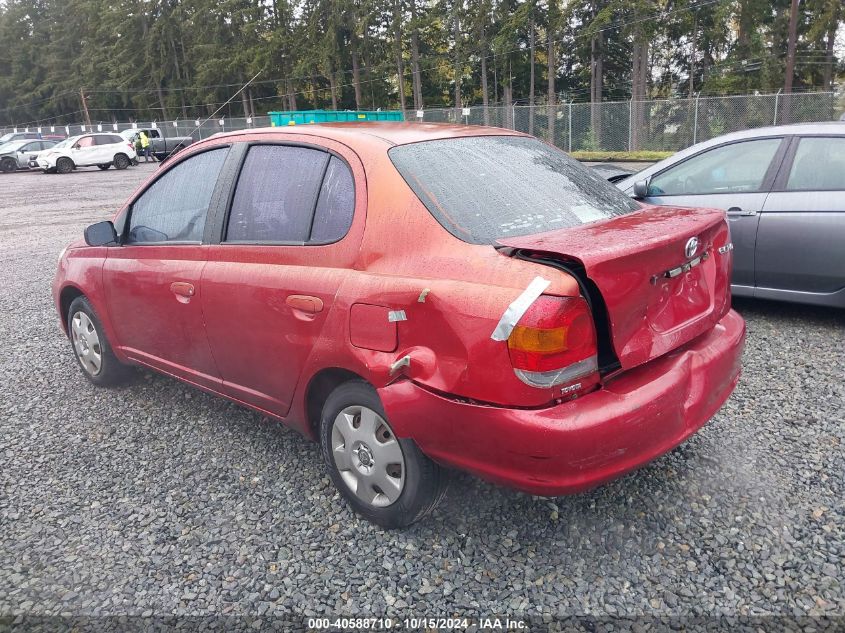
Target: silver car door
<point>735,177</point>
<point>801,239</point>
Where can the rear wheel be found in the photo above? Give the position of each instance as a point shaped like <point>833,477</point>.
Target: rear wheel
<point>8,165</point>
<point>104,166</point>
<point>121,161</point>
<point>64,166</point>
<point>384,478</point>
<point>91,347</point>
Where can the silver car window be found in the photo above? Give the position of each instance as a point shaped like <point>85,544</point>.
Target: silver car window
<point>734,168</point>
<point>819,164</point>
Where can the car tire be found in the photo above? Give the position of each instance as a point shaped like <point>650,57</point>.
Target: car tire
<point>385,479</point>
<point>91,348</point>
<point>64,166</point>
<point>104,166</point>
<point>8,165</point>
<point>121,161</point>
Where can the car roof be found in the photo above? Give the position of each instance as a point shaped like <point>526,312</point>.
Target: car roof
<point>823,127</point>
<point>392,133</point>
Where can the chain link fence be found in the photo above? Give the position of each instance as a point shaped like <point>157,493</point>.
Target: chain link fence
<point>196,129</point>
<point>658,125</point>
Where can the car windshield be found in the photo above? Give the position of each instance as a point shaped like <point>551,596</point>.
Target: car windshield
<point>12,146</point>
<point>7,137</point>
<point>484,188</point>
<point>66,143</point>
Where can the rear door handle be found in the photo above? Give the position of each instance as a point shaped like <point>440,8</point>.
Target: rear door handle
<point>183,290</point>
<point>305,303</point>
<point>736,212</point>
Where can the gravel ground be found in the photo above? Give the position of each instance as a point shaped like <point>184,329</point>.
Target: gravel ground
<point>158,499</point>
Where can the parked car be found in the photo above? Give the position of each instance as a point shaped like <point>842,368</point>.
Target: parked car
<point>18,136</point>
<point>17,154</point>
<point>416,297</point>
<point>161,145</point>
<point>784,192</point>
<point>87,150</point>
<point>611,172</point>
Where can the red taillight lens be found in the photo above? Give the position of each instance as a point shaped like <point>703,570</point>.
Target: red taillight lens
<point>554,342</point>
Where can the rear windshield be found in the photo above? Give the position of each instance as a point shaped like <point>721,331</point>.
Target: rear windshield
<point>484,188</point>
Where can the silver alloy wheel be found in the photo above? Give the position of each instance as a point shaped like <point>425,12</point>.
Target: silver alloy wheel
<point>86,342</point>
<point>368,456</point>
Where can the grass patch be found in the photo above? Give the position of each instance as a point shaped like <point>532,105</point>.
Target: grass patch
<point>621,156</point>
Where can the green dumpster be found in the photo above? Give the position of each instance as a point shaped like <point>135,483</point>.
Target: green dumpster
<point>300,117</point>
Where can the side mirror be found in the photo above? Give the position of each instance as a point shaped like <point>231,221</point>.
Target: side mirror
<point>101,234</point>
<point>640,189</point>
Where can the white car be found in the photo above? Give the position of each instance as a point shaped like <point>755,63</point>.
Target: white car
<point>87,150</point>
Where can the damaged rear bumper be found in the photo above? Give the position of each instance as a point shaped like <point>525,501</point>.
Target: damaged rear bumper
<point>577,445</point>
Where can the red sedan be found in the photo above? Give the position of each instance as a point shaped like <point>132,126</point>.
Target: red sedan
<point>416,297</point>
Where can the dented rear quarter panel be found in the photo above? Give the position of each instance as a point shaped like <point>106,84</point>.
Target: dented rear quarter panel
<point>404,253</point>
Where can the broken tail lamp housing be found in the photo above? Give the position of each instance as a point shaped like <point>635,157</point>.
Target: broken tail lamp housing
<point>554,343</point>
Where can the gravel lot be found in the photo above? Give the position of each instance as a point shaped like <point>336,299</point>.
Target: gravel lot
<point>158,499</point>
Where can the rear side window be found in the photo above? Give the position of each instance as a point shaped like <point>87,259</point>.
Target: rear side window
<point>336,204</point>
<point>819,165</point>
<point>174,207</point>
<point>291,194</point>
<point>485,188</point>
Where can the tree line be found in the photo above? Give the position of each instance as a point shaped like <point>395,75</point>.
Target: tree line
<point>166,59</point>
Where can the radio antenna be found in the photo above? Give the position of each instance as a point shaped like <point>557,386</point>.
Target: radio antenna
<point>211,116</point>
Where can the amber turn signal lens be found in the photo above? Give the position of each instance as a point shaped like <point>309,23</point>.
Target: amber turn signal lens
<point>530,339</point>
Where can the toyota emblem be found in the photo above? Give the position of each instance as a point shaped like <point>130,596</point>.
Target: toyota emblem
<point>691,247</point>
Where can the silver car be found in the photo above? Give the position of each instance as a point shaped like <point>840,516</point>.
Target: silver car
<point>16,154</point>
<point>783,189</point>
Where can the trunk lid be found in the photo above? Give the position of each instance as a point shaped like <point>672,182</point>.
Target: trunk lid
<point>658,295</point>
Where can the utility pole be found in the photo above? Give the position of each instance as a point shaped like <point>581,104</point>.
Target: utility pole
<point>85,107</point>
<point>790,60</point>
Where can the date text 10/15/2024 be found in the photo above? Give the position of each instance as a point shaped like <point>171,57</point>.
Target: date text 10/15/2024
<point>417,623</point>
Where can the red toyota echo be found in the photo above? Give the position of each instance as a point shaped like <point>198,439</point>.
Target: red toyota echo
<point>416,297</point>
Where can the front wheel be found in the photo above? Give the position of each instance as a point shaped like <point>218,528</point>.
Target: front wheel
<point>104,166</point>
<point>384,478</point>
<point>64,166</point>
<point>8,165</point>
<point>121,161</point>
<point>91,347</point>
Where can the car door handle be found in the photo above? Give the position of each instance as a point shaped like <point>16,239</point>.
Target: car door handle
<point>183,290</point>
<point>736,212</point>
<point>305,303</point>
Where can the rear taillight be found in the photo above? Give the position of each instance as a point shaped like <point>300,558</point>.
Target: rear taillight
<point>554,342</point>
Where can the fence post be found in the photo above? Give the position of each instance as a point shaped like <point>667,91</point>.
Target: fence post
<point>695,120</point>
<point>569,132</point>
<point>777,98</point>
<point>630,124</point>
<point>513,117</point>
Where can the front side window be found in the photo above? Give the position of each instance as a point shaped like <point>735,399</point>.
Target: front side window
<point>174,207</point>
<point>86,141</point>
<point>485,188</point>
<point>735,168</point>
<point>819,164</point>
<point>276,193</point>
